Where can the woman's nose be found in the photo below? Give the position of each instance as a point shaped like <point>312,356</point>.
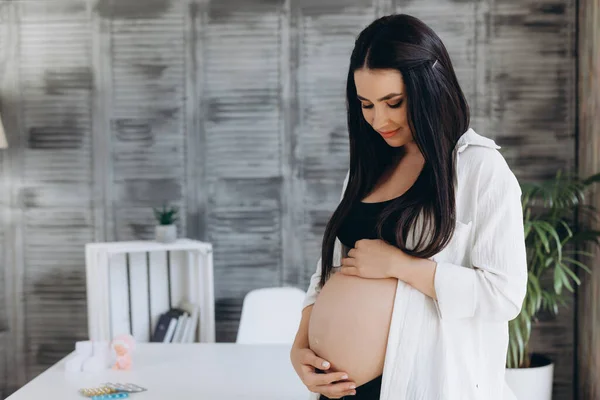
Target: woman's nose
<point>380,120</point>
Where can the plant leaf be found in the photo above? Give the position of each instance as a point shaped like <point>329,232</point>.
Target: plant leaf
<point>564,278</point>
<point>527,228</point>
<point>542,235</point>
<point>567,228</point>
<point>519,341</point>
<point>578,263</point>
<point>574,277</point>
<point>558,282</point>
<point>536,291</point>
<point>552,231</point>
<point>579,253</point>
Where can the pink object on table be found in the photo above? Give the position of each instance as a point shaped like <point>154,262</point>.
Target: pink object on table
<point>123,346</point>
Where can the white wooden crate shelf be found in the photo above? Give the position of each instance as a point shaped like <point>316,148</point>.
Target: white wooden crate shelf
<point>130,284</point>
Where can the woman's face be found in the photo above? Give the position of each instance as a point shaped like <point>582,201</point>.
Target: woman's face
<point>381,93</point>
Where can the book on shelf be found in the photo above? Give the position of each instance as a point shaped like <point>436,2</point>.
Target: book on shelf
<point>162,326</point>
<point>170,330</point>
<point>178,335</point>
<point>178,325</point>
<point>165,328</point>
<point>191,326</point>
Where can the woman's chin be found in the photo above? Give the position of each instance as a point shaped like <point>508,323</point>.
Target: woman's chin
<point>396,141</point>
<point>400,140</point>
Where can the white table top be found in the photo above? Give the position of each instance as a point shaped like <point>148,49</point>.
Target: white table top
<point>199,371</point>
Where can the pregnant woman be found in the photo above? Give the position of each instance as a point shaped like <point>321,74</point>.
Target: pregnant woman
<point>423,262</point>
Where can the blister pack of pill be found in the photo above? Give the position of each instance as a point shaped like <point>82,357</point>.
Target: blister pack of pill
<point>124,387</point>
<point>108,389</point>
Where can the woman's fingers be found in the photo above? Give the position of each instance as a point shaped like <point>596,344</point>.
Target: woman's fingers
<point>331,384</point>
<point>336,390</point>
<point>316,379</point>
<point>316,361</point>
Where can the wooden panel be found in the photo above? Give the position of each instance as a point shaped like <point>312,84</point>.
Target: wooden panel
<point>4,215</point>
<point>11,213</point>
<point>243,124</point>
<point>4,323</point>
<point>57,175</point>
<point>4,345</point>
<point>588,385</point>
<point>533,84</point>
<point>147,117</point>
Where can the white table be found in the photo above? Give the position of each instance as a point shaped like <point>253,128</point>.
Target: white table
<point>198,371</point>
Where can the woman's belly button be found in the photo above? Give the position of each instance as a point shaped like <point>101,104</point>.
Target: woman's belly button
<point>349,324</point>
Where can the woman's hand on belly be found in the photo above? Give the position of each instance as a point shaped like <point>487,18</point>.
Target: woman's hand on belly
<point>372,259</point>
<point>308,366</point>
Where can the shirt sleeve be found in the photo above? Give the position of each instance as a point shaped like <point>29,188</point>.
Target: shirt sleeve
<point>494,286</point>
<point>313,288</point>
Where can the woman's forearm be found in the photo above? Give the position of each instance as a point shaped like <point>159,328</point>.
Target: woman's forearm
<point>419,274</point>
<point>301,340</point>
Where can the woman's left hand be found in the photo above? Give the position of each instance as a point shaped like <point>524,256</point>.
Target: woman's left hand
<point>373,259</point>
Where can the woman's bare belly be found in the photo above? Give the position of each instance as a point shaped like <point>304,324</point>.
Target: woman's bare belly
<point>349,324</point>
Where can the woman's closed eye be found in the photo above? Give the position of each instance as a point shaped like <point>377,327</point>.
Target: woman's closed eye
<point>396,105</point>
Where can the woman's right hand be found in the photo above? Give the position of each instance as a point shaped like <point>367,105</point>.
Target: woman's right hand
<point>333,385</point>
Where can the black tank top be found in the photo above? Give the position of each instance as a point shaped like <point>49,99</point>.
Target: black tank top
<point>361,223</point>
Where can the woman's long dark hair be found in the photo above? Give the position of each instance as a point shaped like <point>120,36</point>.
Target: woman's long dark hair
<point>438,114</point>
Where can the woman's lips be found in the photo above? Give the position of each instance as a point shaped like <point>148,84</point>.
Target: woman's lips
<point>389,134</point>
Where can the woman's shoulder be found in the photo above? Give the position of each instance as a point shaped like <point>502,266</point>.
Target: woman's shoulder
<point>478,157</point>
<point>481,161</point>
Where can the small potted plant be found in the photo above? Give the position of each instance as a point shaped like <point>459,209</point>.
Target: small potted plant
<point>555,248</point>
<point>166,230</point>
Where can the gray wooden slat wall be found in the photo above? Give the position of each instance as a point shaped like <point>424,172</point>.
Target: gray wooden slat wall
<point>5,342</point>
<point>533,91</point>
<point>233,110</point>
<point>588,304</point>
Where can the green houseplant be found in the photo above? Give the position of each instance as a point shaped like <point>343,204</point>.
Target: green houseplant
<point>555,244</point>
<point>166,230</point>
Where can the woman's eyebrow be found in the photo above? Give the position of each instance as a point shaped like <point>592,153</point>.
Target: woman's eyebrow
<point>386,97</point>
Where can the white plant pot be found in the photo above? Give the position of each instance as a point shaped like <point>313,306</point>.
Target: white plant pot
<point>166,233</point>
<point>534,382</point>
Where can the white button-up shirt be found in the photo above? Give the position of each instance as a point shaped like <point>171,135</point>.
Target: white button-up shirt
<point>454,348</point>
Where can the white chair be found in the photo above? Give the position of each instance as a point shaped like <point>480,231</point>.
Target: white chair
<point>271,315</point>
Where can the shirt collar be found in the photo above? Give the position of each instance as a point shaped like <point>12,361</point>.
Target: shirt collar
<point>472,138</point>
